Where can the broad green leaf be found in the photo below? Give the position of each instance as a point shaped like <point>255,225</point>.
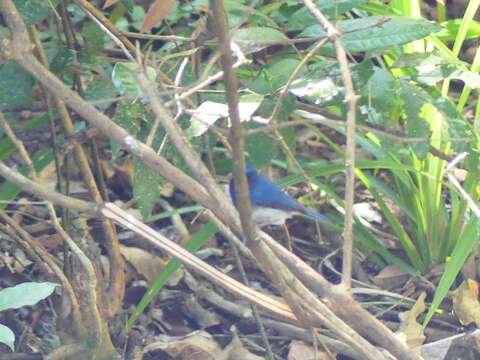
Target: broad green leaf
<point>451,28</point>
<point>460,253</point>
<point>380,90</point>
<point>377,32</point>
<point>7,337</point>
<point>330,8</point>
<point>93,42</point>
<point>192,245</point>
<point>99,89</point>
<point>62,59</point>
<point>35,11</point>
<point>253,39</point>
<point>146,187</point>
<point>260,147</point>
<point>130,115</point>
<point>414,98</point>
<point>25,294</point>
<point>15,86</point>
<point>274,75</point>
<point>124,78</point>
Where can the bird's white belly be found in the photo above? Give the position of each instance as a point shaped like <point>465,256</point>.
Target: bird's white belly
<point>263,216</point>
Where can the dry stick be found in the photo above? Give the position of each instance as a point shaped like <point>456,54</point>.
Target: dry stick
<point>236,139</point>
<point>343,304</point>
<point>120,216</point>
<point>113,298</point>
<point>105,22</point>
<point>44,193</point>
<point>88,280</point>
<point>351,99</point>
<point>236,136</point>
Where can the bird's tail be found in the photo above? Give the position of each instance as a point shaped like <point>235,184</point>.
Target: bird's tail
<point>314,215</point>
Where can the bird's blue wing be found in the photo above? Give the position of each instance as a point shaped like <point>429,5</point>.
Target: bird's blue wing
<point>265,193</point>
<point>314,215</point>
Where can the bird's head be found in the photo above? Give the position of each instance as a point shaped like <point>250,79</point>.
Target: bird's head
<point>251,172</point>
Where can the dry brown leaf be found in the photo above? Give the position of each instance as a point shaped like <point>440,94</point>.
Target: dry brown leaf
<point>109,3</point>
<point>466,304</point>
<point>236,351</point>
<point>410,330</point>
<point>198,345</point>
<point>147,264</point>
<point>301,351</point>
<point>158,11</point>
<point>391,277</point>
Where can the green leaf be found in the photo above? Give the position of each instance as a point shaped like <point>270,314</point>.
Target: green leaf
<point>63,59</point>
<point>130,115</point>
<point>93,42</point>
<point>15,86</point>
<point>414,98</point>
<point>330,8</point>
<point>146,187</point>
<point>256,38</point>
<point>192,245</point>
<point>28,293</point>
<point>452,27</point>
<point>274,75</point>
<point>124,78</point>
<point>100,89</point>
<point>35,11</point>
<point>260,147</point>
<point>380,90</point>
<point>462,249</point>
<point>7,337</point>
<point>377,32</point>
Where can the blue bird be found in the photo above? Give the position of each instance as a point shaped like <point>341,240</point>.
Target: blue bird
<point>271,206</point>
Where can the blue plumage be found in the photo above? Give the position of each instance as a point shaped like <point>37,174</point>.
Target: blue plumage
<point>265,194</point>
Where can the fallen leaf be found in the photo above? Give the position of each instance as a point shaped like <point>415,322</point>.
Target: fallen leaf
<point>147,264</point>
<point>410,330</point>
<point>198,345</point>
<point>391,277</point>
<point>158,11</point>
<point>465,303</point>
<point>236,351</point>
<point>302,351</point>
<point>109,3</point>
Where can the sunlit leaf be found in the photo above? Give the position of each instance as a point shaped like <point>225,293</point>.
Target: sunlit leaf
<point>7,337</point>
<point>377,32</point>
<point>24,294</point>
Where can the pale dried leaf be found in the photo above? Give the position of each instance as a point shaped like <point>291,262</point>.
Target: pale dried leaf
<point>147,264</point>
<point>301,351</point>
<point>236,351</point>
<point>158,11</point>
<point>198,345</point>
<point>466,304</point>
<point>391,277</point>
<point>410,329</point>
<point>109,3</point>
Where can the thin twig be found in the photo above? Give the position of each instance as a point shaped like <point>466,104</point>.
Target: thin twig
<point>351,100</point>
